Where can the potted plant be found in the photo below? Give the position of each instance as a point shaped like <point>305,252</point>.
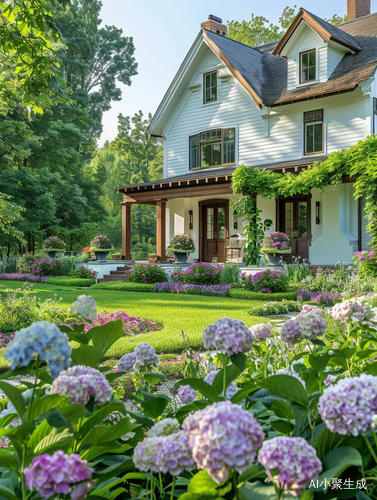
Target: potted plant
<point>101,246</point>
<point>117,256</point>
<point>181,245</point>
<point>153,258</point>
<point>53,245</point>
<point>275,245</point>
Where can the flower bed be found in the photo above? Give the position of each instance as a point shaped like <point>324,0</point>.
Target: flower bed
<point>324,298</point>
<point>180,287</point>
<point>202,273</point>
<point>47,267</point>
<point>24,277</point>
<point>146,274</point>
<point>131,324</point>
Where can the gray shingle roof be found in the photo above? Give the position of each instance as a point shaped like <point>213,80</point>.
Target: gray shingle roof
<point>266,74</point>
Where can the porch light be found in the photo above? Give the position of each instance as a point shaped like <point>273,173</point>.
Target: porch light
<point>235,221</point>
<point>317,206</point>
<point>191,220</point>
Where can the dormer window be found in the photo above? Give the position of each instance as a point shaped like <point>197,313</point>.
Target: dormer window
<point>308,66</point>
<point>210,87</point>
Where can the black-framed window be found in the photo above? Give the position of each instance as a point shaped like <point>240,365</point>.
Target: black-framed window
<point>308,66</point>
<point>313,132</point>
<point>210,87</point>
<point>212,148</point>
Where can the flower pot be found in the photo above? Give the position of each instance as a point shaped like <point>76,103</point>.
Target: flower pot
<point>153,260</point>
<point>274,259</point>
<point>101,255</point>
<point>117,257</point>
<point>52,254</point>
<point>180,258</point>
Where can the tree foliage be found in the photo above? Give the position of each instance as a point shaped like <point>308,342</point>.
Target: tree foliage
<point>259,30</point>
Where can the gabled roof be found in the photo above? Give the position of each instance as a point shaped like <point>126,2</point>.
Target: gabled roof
<point>324,30</point>
<point>264,75</point>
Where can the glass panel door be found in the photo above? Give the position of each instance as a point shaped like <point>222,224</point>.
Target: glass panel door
<point>210,222</point>
<point>221,222</point>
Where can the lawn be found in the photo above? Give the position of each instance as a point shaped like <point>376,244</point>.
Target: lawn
<point>175,313</point>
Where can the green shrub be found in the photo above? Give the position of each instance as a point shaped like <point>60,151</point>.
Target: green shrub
<point>146,274</point>
<point>70,281</point>
<point>125,286</point>
<point>279,308</point>
<point>202,273</point>
<point>230,274</point>
<point>270,281</point>
<point>26,261</point>
<point>47,267</point>
<point>82,272</point>
<point>248,295</point>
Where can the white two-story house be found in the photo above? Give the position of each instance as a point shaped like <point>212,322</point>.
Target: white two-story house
<point>279,106</point>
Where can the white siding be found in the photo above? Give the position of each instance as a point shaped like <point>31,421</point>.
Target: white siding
<point>334,56</point>
<point>344,117</point>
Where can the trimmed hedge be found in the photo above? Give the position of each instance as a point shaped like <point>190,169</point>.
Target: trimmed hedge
<point>236,293</point>
<point>124,286</point>
<point>70,281</point>
<point>280,308</point>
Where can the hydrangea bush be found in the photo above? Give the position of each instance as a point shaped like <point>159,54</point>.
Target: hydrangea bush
<point>246,412</point>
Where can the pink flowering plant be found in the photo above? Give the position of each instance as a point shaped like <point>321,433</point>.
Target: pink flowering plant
<point>146,274</point>
<point>182,243</point>
<point>267,282</point>
<point>276,243</point>
<point>47,267</point>
<point>202,273</point>
<point>54,243</point>
<point>366,262</point>
<point>101,243</point>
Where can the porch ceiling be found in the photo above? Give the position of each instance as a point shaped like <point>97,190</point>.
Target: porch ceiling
<point>212,181</point>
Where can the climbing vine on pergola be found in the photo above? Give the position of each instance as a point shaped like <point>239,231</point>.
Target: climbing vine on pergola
<point>359,162</point>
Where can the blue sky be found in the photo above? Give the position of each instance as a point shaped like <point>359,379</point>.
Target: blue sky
<point>163,33</point>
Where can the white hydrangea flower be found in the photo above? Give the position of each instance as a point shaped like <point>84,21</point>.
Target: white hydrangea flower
<point>85,306</point>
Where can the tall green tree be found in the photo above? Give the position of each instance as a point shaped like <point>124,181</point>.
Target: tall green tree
<point>259,30</point>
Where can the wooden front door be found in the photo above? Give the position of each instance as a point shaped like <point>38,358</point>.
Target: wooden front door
<point>214,224</point>
<point>295,222</point>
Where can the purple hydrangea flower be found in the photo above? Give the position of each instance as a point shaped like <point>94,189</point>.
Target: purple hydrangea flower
<point>311,325</point>
<point>229,336</point>
<point>348,406</point>
<point>290,462</point>
<point>307,308</point>
<point>80,383</point>
<point>145,356</point>
<point>290,332</point>
<point>186,394</point>
<point>164,427</point>
<point>261,331</point>
<point>170,453</point>
<point>43,339</point>
<point>304,326</point>
<point>127,362</point>
<point>223,437</point>
<point>231,390</point>
<point>56,474</point>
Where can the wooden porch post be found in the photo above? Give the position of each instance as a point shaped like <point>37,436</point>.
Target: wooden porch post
<point>161,228</point>
<point>126,231</point>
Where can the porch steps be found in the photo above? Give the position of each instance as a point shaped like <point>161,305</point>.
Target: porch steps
<point>117,275</point>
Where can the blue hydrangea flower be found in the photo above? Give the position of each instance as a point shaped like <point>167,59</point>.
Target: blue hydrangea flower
<point>43,339</point>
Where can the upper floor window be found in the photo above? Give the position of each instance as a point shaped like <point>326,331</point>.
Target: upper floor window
<point>210,87</point>
<point>212,148</point>
<point>308,66</point>
<point>313,132</point>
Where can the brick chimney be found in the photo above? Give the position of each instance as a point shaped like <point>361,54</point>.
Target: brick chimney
<point>216,25</point>
<point>357,8</point>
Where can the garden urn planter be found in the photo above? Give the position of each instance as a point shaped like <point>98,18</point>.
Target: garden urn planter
<point>102,256</point>
<point>180,258</point>
<point>274,259</point>
<point>52,254</point>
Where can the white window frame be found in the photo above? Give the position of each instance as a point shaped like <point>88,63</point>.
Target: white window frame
<point>298,60</point>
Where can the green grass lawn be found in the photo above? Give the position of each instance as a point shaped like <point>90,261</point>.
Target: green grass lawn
<point>176,313</point>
